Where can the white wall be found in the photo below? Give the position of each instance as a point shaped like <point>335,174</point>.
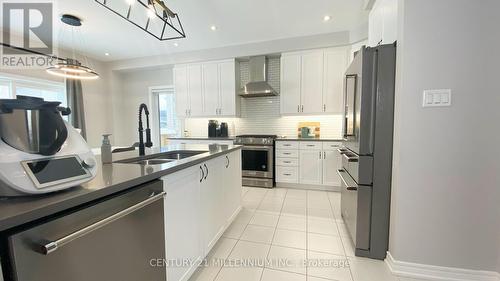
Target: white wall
<point>446,180</point>
<point>130,89</point>
<point>251,49</point>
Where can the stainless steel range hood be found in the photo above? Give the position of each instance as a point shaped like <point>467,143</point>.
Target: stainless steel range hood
<point>258,86</point>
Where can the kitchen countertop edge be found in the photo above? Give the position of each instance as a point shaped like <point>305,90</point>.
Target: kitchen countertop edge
<point>202,138</point>
<point>308,139</point>
<point>15,220</point>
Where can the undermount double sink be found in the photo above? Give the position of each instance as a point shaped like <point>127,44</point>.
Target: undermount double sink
<point>161,158</point>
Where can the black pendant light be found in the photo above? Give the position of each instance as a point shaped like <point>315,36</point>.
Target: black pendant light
<point>71,67</point>
<point>152,16</point>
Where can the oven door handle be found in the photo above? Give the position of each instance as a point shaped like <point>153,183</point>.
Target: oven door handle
<point>266,148</point>
<point>54,245</point>
<point>353,187</point>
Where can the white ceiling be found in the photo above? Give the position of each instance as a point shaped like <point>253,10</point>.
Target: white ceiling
<point>238,22</point>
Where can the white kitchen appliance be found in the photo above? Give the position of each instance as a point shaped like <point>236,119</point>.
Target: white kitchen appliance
<point>40,152</point>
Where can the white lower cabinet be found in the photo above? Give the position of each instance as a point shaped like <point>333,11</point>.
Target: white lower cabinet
<point>200,204</point>
<point>232,185</point>
<point>212,194</point>
<point>307,163</point>
<point>182,221</point>
<point>287,174</point>
<point>310,166</point>
<point>331,163</point>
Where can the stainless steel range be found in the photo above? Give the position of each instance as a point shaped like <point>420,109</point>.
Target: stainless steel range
<point>257,159</point>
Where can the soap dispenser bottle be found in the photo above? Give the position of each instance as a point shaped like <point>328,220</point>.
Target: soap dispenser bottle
<point>106,156</point>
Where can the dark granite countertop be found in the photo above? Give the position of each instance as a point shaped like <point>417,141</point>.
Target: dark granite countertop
<point>111,178</point>
<point>202,138</point>
<point>307,139</point>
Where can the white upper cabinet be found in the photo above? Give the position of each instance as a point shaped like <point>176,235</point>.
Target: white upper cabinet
<point>290,83</point>
<point>229,105</point>
<point>382,22</point>
<point>312,81</point>
<point>181,91</point>
<point>211,88</point>
<point>195,88</point>
<point>335,65</point>
<point>206,89</point>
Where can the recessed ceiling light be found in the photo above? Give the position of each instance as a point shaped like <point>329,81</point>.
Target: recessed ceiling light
<point>106,54</point>
<point>176,44</point>
<point>213,28</point>
<point>327,18</point>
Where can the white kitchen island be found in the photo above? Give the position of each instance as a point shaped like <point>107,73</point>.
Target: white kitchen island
<point>201,202</point>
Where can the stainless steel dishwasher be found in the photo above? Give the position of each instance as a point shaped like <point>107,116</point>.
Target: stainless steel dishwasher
<point>118,238</point>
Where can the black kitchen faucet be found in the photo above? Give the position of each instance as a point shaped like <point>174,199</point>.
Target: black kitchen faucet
<point>142,145</point>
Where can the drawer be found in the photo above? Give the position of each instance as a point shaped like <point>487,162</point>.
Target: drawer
<point>291,162</point>
<point>311,145</point>
<point>287,153</point>
<point>287,174</point>
<point>287,145</point>
<point>331,145</point>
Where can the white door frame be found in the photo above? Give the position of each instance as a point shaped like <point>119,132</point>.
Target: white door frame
<point>154,111</point>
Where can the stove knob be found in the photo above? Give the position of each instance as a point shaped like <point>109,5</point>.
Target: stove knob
<point>88,163</point>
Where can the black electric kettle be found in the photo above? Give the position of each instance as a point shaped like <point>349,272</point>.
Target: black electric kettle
<point>33,125</point>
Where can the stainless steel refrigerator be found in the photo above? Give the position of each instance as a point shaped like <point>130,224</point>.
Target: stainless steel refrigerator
<point>367,149</point>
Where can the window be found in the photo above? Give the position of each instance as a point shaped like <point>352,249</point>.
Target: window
<point>163,102</point>
<point>12,86</point>
<point>5,89</point>
<point>48,94</point>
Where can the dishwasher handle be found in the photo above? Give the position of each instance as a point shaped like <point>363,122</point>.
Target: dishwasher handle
<point>54,245</point>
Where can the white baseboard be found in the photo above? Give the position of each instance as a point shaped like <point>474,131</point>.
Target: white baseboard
<point>437,273</point>
<point>308,186</point>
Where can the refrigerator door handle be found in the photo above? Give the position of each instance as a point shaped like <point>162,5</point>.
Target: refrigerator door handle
<point>373,109</point>
<point>347,105</point>
<point>352,187</point>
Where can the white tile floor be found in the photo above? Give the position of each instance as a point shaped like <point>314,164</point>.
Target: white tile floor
<point>293,225</point>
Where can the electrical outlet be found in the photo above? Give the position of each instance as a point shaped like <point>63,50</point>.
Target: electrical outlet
<point>435,98</point>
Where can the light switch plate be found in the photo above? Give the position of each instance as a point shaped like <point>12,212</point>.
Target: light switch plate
<point>435,98</point>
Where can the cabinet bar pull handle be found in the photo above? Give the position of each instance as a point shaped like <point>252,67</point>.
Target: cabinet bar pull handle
<point>302,108</point>
<point>320,155</point>
<point>54,245</point>
<point>202,174</point>
<point>324,154</point>
<point>287,174</point>
<point>227,158</point>
<point>298,108</point>
<point>206,169</point>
